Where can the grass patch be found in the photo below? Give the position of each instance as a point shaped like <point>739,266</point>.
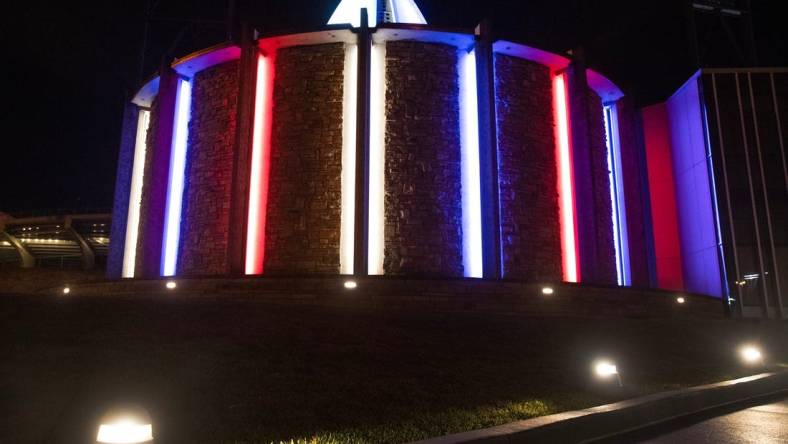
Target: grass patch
<point>242,371</point>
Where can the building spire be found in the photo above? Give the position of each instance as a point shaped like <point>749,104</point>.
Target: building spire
<point>380,11</point>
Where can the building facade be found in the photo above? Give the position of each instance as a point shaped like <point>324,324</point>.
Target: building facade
<point>393,148</point>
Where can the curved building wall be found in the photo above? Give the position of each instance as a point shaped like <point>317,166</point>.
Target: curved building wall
<point>205,224</point>
<point>530,229</point>
<point>423,201</point>
<point>304,200</point>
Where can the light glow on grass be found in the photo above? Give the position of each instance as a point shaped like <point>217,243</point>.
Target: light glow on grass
<point>751,354</point>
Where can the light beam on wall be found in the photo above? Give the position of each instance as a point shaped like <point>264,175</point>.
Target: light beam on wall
<point>471,176</point>
<point>347,230</point>
<point>565,181</point>
<point>258,181</point>
<point>620,235</point>
<point>135,195</point>
<point>377,156</point>
<point>180,137</point>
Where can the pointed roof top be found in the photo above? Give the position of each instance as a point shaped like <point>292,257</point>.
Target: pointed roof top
<point>385,11</point>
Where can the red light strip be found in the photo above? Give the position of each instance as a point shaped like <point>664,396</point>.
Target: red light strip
<point>261,156</point>
<point>566,186</point>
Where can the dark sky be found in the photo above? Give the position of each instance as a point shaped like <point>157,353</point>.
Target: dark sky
<point>69,66</point>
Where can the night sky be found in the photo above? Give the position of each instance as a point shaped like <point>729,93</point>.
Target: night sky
<point>70,65</point>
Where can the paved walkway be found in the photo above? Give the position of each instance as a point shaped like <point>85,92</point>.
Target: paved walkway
<point>765,424</point>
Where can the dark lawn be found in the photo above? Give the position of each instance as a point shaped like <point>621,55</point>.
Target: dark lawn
<point>240,370</point>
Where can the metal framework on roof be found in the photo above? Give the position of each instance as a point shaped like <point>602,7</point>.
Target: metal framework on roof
<point>380,11</point>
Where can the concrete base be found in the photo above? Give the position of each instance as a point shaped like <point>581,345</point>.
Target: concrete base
<point>566,300</point>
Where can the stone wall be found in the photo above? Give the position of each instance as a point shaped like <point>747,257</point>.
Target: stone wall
<point>423,203</point>
<point>120,209</point>
<point>207,193</point>
<point>531,238</point>
<point>304,200</point>
<point>145,201</point>
<point>603,205</point>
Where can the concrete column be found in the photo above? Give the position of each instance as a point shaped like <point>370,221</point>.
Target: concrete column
<point>27,258</point>
<point>157,178</point>
<point>88,255</point>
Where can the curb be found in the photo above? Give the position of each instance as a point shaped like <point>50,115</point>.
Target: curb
<point>606,421</point>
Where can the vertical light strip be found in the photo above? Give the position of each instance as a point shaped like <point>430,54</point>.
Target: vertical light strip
<point>377,159</point>
<point>619,216</point>
<point>347,230</point>
<point>258,181</point>
<point>135,194</point>
<point>565,181</point>
<point>180,137</point>
<point>471,176</point>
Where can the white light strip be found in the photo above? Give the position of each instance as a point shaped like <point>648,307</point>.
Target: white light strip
<point>180,136</point>
<point>350,103</point>
<point>471,176</point>
<point>377,159</point>
<point>620,236</point>
<point>135,195</point>
<point>406,11</point>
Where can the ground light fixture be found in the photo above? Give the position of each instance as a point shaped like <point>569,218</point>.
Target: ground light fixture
<point>351,285</point>
<point>171,285</point>
<point>681,300</point>
<point>126,425</point>
<point>607,371</point>
<point>751,355</point>
<point>66,290</point>
<point>547,291</point>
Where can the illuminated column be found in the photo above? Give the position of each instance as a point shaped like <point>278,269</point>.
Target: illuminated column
<point>566,180</point>
<point>180,138</point>
<point>377,159</point>
<point>619,216</point>
<point>260,167</point>
<point>135,195</point>
<point>471,178</point>
<point>350,103</point>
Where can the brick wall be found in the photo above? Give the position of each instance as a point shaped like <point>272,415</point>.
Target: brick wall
<point>603,204</point>
<point>205,218</point>
<point>423,206</point>
<point>303,227</point>
<point>530,227</point>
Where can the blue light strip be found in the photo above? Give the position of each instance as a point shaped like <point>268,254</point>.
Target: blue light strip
<point>180,136</point>
<point>620,235</point>
<point>471,173</point>
<point>715,203</point>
